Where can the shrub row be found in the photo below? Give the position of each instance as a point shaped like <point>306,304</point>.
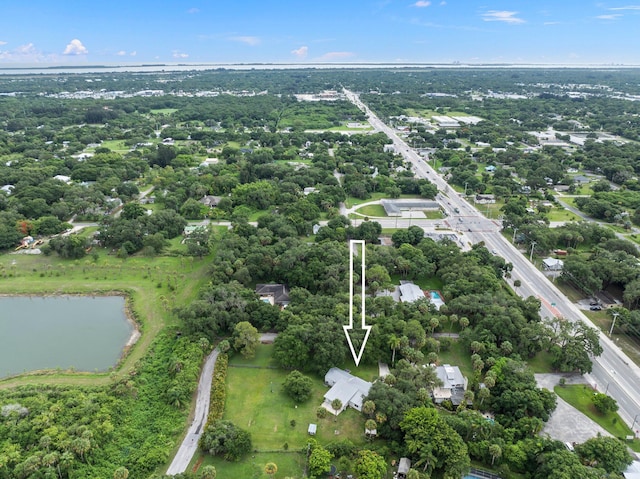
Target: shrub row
<point>218,389</point>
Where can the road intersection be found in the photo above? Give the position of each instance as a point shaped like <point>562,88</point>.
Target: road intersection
<point>613,372</point>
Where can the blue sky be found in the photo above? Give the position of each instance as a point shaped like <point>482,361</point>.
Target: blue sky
<point>288,31</point>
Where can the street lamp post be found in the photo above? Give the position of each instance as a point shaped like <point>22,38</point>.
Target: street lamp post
<point>533,244</point>
<point>634,423</point>
<point>515,230</point>
<point>615,316</point>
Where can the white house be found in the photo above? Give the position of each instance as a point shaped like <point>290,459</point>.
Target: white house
<point>552,264</point>
<point>410,292</point>
<point>349,389</point>
<point>454,384</point>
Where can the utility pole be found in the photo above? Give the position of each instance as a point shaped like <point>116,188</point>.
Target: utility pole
<point>533,244</point>
<point>515,230</point>
<point>615,315</point>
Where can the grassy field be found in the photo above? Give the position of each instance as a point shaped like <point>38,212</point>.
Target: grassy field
<point>372,211</point>
<point>580,397</point>
<point>144,280</point>
<point>266,411</point>
<point>560,214</point>
<point>163,111</point>
<point>290,464</point>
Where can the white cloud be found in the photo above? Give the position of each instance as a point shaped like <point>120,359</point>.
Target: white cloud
<point>2,43</point>
<point>193,10</point>
<point>421,4</point>
<point>75,47</point>
<point>501,16</point>
<point>24,53</point>
<point>179,54</point>
<point>551,23</point>
<point>333,56</point>
<point>628,7</point>
<point>610,16</point>
<point>443,3</point>
<point>247,40</point>
<point>133,53</point>
<point>121,53</point>
<point>301,52</point>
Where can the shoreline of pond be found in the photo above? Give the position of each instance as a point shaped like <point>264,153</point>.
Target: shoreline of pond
<point>129,315</point>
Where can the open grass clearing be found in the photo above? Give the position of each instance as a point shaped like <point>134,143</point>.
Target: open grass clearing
<point>580,397</point>
<point>372,211</point>
<point>257,403</point>
<point>163,111</point>
<point>561,214</point>
<point>290,464</point>
<point>541,363</point>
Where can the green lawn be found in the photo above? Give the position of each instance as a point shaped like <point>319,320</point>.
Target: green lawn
<point>372,210</point>
<point>580,397</point>
<point>290,464</point>
<point>353,201</point>
<point>457,355</point>
<point>560,214</point>
<point>256,402</point>
<point>431,283</point>
<point>114,145</point>
<point>541,363</point>
<point>163,111</point>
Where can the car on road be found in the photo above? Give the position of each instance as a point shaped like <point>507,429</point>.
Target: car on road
<point>596,308</point>
<point>494,251</point>
<point>594,303</point>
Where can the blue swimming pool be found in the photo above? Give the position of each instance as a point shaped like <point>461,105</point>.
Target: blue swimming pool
<point>435,295</point>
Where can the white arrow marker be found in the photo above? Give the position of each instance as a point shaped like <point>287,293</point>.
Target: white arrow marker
<point>356,357</point>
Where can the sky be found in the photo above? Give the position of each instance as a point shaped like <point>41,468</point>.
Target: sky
<point>97,32</point>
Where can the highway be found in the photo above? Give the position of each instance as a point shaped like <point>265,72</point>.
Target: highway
<point>613,372</point>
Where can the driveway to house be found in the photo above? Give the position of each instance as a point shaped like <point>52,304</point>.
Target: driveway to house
<point>566,423</point>
<point>189,445</point>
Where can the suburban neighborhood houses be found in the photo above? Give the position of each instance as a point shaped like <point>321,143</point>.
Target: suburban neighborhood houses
<point>497,210</point>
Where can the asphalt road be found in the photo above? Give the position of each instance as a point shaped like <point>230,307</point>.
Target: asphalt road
<point>189,445</point>
<point>613,371</point>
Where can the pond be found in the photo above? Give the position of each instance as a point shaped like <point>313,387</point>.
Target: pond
<point>87,333</point>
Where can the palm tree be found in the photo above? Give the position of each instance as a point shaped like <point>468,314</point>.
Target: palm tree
<point>368,407</point>
<point>336,404</point>
<point>121,473</point>
<point>496,451</point>
<point>483,394</point>
<point>394,343</point>
<point>271,469</point>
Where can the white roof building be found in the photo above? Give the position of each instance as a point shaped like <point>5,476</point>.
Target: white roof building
<point>349,389</point>
<point>410,292</point>
<point>454,384</point>
<point>552,264</point>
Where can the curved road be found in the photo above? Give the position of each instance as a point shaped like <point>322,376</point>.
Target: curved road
<point>613,371</point>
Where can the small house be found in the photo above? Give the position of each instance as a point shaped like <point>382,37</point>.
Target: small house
<point>312,429</point>
<point>454,384</point>
<point>274,294</point>
<point>410,292</point>
<point>552,264</point>
<point>210,201</point>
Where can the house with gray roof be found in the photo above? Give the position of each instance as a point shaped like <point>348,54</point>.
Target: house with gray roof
<point>454,384</point>
<point>274,294</point>
<point>349,389</point>
<point>410,292</point>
